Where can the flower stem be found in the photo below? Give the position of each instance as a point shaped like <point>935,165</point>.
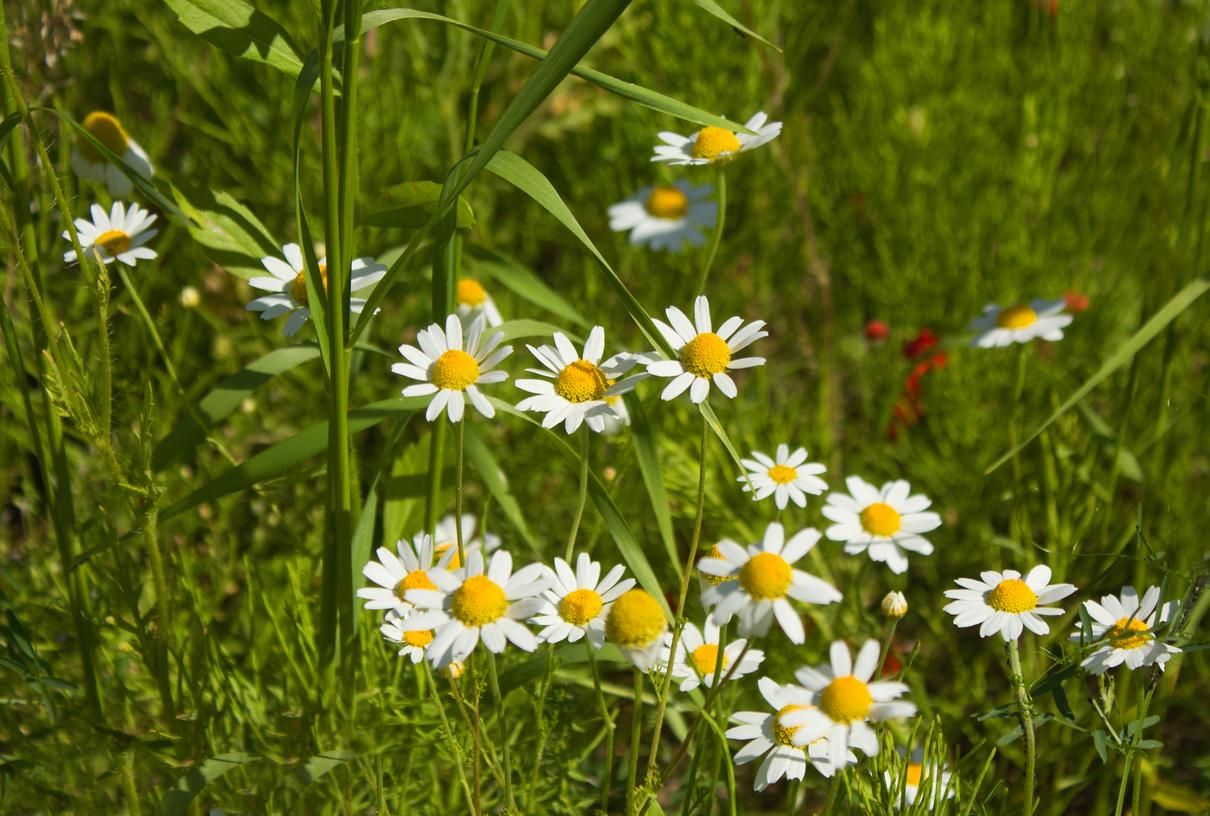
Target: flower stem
<point>636,739</point>
<point>1026,714</point>
<point>449,732</point>
<point>717,237</point>
<point>459,439</point>
<point>607,721</point>
<point>582,496</point>
<point>499,701</point>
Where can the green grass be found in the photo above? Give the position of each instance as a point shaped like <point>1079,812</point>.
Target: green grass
<point>935,157</point>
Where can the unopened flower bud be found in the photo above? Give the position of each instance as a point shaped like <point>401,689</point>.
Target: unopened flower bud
<point>454,670</point>
<point>894,605</point>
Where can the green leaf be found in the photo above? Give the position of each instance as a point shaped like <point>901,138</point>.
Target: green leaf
<point>307,78</point>
<point>718,11</point>
<point>646,451</point>
<point>410,205</point>
<point>521,282</point>
<point>522,329</point>
<point>239,29</point>
<point>496,483</point>
<point>228,232</point>
<point>176,800</point>
<point>317,766</point>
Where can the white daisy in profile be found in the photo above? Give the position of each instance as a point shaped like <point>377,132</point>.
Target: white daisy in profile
<point>1004,602</point>
<point>452,370</point>
<point>477,604</point>
<point>120,235</point>
<point>287,285</point>
<point>1127,627</point>
<point>919,780</point>
<point>666,216</point>
<point>412,642</point>
<point>768,738</point>
<point>577,603</point>
<point>472,299</point>
<point>765,581</point>
<point>785,476</point>
<point>395,574</point>
<point>844,700</point>
<point>575,386</point>
<point>713,145</point>
<point>88,163</point>
<point>887,523</point>
<point>697,657</point>
<point>445,539</point>
<point>703,356</point>
<point>636,624</point>
<point>1003,326</point>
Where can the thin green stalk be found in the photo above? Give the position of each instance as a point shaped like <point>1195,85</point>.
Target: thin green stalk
<point>607,722</point>
<point>582,496</point>
<point>636,740</point>
<point>432,501</point>
<point>449,732</point>
<point>717,237</point>
<point>101,291</point>
<point>833,791</point>
<point>476,733</point>
<point>498,699</point>
<point>459,457</point>
<point>792,796</point>
<point>130,787</point>
<point>542,728</point>
<point>1025,713</point>
<point>717,678</point>
<point>1144,705</point>
<point>163,612</point>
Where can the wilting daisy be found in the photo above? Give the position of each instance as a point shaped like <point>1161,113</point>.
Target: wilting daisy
<point>575,386</point>
<point>765,583</point>
<point>712,144</point>
<point>768,738</point>
<point>843,700</point>
<point>1127,627</point>
<point>477,604</point>
<point>88,163</point>
<point>576,603</point>
<point>666,216</point>
<point>697,657</point>
<point>120,235</point>
<point>636,624</point>
<point>412,642</point>
<point>1021,323</point>
<point>784,476</point>
<point>445,539</point>
<point>396,574</point>
<point>472,299</point>
<point>887,523</point>
<point>287,283</point>
<point>1004,602</point>
<point>703,356</point>
<point>453,370</point>
<point>921,780</point>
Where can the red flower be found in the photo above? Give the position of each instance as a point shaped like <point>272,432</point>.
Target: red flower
<point>892,665</point>
<point>1075,301</point>
<point>876,331</point>
<point>919,345</point>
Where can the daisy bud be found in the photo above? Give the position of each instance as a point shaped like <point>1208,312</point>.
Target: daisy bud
<point>894,605</point>
<point>190,297</point>
<point>454,670</point>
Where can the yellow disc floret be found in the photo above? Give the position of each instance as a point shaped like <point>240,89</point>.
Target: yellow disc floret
<point>766,576</point>
<point>846,700</point>
<point>706,355</point>
<point>416,579</point>
<point>1130,633</point>
<point>420,638</point>
<point>667,202</point>
<point>298,289</point>
<point>455,370</point>
<point>713,143</point>
<point>470,293</point>
<point>705,658</point>
<point>784,735</point>
<point>114,242</point>
<point>1012,595</point>
<point>580,382</point>
<point>478,602</point>
<point>1016,317</point>
<point>783,474</point>
<point>635,620</point>
<point>580,607</point>
<point>914,772</point>
<point>880,519</point>
<point>107,130</point>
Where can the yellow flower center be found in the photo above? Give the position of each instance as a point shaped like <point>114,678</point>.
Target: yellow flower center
<point>766,576</point>
<point>846,700</point>
<point>107,130</point>
<point>1016,317</point>
<point>783,474</point>
<point>781,734</point>
<point>914,771</point>
<point>580,382</point>
<point>880,519</point>
<point>416,579</point>
<point>580,607</point>
<point>706,355</point>
<point>667,202</point>
<point>635,620</point>
<point>478,602</point>
<point>1012,595</point>
<point>298,289</point>
<point>714,580</point>
<point>114,242</point>
<point>420,638</point>
<point>713,143</point>
<point>470,293</point>
<point>455,370</point>
<point>1130,633</point>
<point>705,658</point>
<point>439,550</point>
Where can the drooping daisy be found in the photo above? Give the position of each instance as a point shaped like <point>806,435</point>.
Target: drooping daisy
<point>920,780</point>
<point>453,370</point>
<point>577,603</point>
<point>765,583</point>
<point>703,356</point>
<point>395,575</point>
<point>445,539</point>
<point>412,642</point>
<point>287,283</point>
<point>1021,323</point>
<point>476,604</point>
<point>666,216</point>
<point>472,299</point>
<point>88,163</point>
<point>575,386</point>
<point>784,476</point>
<point>636,624</point>
<point>712,144</point>
<point>697,657</point>
<point>1127,627</point>
<point>887,523</point>
<point>120,235</point>
<point>775,742</point>
<point>844,700</point>
<point>1004,602</point>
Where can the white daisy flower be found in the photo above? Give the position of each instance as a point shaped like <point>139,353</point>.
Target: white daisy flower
<point>88,163</point>
<point>120,235</point>
<point>636,624</point>
<point>452,370</point>
<point>472,299</point>
<point>666,216</point>
<point>844,700</point>
<point>445,539</point>
<point>575,387</point>
<point>1003,602</point>
<point>287,283</point>
<point>712,144</point>
<point>784,476</point>
<point>703,356</point>
<point>412,642</point>
<point>475,604</point>
<point>395,575</point>
<point>768,738</point>
<point>697,656</point>
<point>1127,628</point>
<point>887,523</point>
<point>577,603</point>
<point>1020,323</point>
<point>919,776</point>
<point>765,581</point>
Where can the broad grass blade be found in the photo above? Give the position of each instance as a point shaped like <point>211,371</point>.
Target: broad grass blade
<point>239,29</point>
<point>176,801</point>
